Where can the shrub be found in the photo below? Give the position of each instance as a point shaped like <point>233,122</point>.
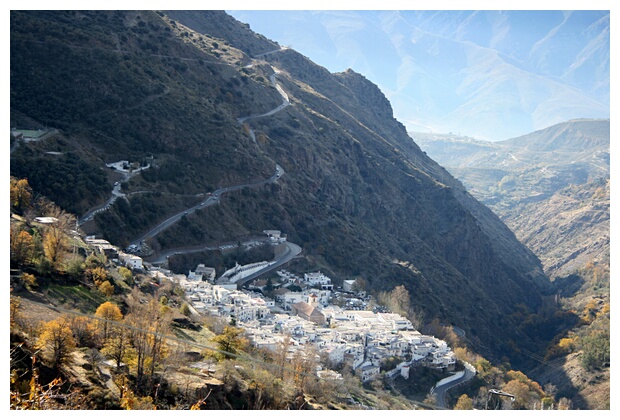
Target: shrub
<point>185,310</point>
<point>29,279</point>
<point>596,354</point>
<point>106,288</point>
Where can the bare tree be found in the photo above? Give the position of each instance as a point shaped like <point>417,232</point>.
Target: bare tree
<point>149,325</point>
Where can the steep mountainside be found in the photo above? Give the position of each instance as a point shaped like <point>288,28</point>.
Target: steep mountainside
<point>569,229</point>
<point>549,186</point>
<point>357,194</point>
<point>552,188</point>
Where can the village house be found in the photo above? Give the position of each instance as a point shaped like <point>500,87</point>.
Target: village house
<point>443,360</point>
<point>259,297</point>
<point>158,275</point>
<point>318,279</point>
<point>249,312</point>
<point>279,294</point>
<point>335,352</point>
<point>322,296</point>
<point>207,273</point>
<point>397,321</point>
<point>131,261</point>
<point>354,355</point>
<point>328,374</point>
<point>18,135</point>
<point>163,271</point>
<point>275,236</point>
<point>192,276</point>
<point>264,340</point>
<point>291,298</point>
<point>121,165</point>
<point>368,372</point>
<point>202,273</point>
<point>103,246</point>
<point>260,284</point>
<point>348,285</point>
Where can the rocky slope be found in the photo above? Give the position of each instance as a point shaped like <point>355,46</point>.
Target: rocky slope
<point>358,195</point>
<point>569,229</point>
<point>550,187</point>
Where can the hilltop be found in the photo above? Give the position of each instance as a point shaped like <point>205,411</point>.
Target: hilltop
<point>490,74</point>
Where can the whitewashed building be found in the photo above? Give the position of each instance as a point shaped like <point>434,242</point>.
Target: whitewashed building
<point>317,279</point>
<point>132,261</point>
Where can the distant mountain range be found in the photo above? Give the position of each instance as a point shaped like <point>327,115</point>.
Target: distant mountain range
<point>551,187</point>
<point>492,75</point>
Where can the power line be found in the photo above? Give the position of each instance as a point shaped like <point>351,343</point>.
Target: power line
<point>167,337</point>
<point>206,347</point>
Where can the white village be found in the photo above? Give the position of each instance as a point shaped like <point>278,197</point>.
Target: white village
<point>306,310</point>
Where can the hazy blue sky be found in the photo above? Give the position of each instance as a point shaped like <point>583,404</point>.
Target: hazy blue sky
<point>487,74</point>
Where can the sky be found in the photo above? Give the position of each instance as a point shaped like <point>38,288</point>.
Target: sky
<point>491,75</point>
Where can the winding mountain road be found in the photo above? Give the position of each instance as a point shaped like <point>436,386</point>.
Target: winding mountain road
<point>213,199</point>
<point>271,52</point>
<point>285,101</point>
<point>290,250</point>
<point>116,193</point>
<point>440,390</point>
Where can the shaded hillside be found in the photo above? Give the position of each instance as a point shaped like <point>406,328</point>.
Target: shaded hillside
<point>548,186</point>
<point>358,195</point>
<point>223,26</point>
<point>552,188</point>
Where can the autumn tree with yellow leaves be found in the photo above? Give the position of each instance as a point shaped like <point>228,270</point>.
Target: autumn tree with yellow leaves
<point>22,245</point>
<point>464,403</point>
<point>230,342</point>
<point>149,324</point>
<point>118,347</point>
<point>106,288</point>
<point>56,341</point>
<point>21,193</point>
<point>84,331</point>
<point>107,311</point>
<point>97,275</point>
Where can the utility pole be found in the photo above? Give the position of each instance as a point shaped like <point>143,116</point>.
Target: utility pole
<point>75,238</point>
<point>494,401</point>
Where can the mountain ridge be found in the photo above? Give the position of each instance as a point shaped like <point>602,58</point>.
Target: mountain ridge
<point>441,69</point>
